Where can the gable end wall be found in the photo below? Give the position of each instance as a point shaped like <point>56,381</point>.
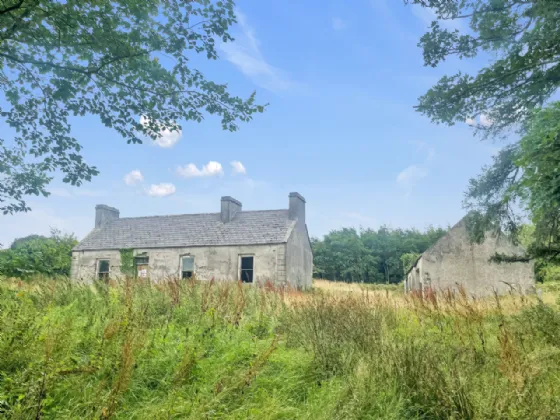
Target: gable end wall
<point>299,259</point>
<point>455,261</point>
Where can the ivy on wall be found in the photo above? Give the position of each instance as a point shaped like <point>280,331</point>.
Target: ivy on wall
<point>127,262</point>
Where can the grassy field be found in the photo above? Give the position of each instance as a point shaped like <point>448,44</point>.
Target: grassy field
<point>188,350</point>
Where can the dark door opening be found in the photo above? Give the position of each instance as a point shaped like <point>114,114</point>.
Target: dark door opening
<point>247,269</point>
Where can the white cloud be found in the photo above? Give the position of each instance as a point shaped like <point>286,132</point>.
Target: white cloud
<point>212,168</point>
<point>411,175</point>
<point>245,54</point>
<point>161,190</point>
<point>133,177</point>
<point>166,138</point>
<point>238,168</point>
<point>338,24</point>
<point>485,121</point>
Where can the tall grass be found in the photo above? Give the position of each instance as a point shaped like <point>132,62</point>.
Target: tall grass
<point>222,350</point>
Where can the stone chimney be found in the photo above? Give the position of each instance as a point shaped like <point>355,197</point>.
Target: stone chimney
<point>104,214</point>
<point>297,208</point>
<point>230,207</point>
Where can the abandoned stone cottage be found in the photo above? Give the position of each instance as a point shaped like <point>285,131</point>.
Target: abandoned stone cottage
<point>251,246</point>
<point>455,262</point>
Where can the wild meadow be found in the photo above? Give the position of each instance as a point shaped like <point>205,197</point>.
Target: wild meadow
<point>135,350</point>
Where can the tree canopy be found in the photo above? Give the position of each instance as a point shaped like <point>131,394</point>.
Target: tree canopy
<point>524,179</point>
<point>512,91</point>
<point>370,255</point>
<point>523,35</point>
<point>36,254</point>
<point>127,62</point>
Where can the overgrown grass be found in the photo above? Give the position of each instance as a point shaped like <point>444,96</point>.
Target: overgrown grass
<point>222,350</point>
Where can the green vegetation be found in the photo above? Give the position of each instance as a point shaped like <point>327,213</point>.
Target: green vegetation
<point>188,350</point>
<point>524,176</point>
<point>126,62</point>
<point>37,254</point>
<point>370,256</point>
<point>523,35</point>
<point>127,262</point>
<point>511,92</point>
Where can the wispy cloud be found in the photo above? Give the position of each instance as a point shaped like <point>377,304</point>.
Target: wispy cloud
<point>410,175</point>
<point>238,168</point>
<point>212,168</point>
<point>338,24</point>
<point>161,190</point>
<point>133,177</point>
<point>423,147</point>
<point>166,138</point>
<point>246,55</point>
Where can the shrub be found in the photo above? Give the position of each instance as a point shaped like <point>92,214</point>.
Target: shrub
<point>38,255</point>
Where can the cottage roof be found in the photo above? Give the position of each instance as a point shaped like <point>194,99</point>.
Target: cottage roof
<point>184,230</point>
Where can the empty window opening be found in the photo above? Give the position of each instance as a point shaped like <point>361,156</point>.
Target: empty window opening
<point>187,267</point>
<point>247,269</point>
<point>141,262</point>
<point>103,269</point>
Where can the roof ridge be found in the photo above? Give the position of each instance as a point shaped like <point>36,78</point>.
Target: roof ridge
<point>194,214</point>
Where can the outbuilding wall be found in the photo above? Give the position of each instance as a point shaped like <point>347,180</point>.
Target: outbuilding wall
<point>454,262</point>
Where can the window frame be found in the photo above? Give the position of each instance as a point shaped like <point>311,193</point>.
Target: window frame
<point>141,260</point>
<point>141,257</point>
<point>240,269</point>
<point>181,271</point>
<point>98,273</point>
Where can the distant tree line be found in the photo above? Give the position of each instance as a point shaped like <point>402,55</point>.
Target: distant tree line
<point>369,255</point>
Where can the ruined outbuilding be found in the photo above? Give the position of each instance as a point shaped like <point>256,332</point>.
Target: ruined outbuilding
<point>251,246</point>
<point>454,263</point>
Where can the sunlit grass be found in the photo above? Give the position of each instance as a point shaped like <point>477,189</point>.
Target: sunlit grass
<point>226,350</point>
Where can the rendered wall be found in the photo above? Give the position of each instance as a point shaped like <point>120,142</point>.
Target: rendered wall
<point>455,262</point>
<point>299,260</point>
<point>219,263</point>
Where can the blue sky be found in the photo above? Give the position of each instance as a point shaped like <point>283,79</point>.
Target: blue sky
<point>340,129</point>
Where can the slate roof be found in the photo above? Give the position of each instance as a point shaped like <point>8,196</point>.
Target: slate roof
<point>247,228</point>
